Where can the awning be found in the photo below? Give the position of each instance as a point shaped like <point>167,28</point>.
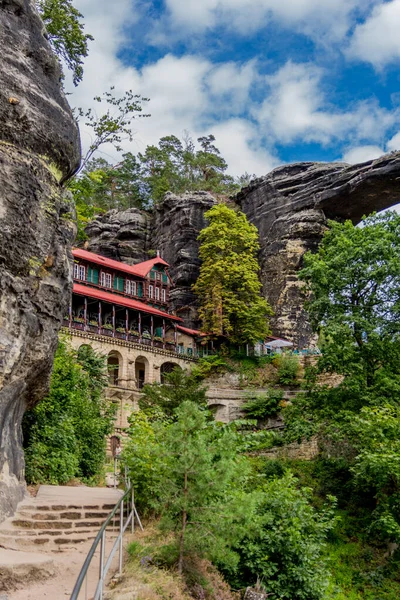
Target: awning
<point>83,290</point>
<point>278,344</point>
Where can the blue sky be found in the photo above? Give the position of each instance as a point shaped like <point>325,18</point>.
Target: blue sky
<point>275,81</point>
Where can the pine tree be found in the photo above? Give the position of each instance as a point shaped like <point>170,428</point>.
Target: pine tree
<point>228,286</point>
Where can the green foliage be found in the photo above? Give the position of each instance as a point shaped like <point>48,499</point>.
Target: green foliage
<point>288,366</point>
<point>263,406</point>
<point>188,470</point>
<point>354,280</point>
<point>115,124</point>
<point>284,547</point>
<point>66,33</point>
<point>228,286</point>
<point>64,435</point>
<point>206,366</point>
<point>161,400</point>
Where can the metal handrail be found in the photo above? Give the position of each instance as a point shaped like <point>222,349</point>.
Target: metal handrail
<point>101,539</point>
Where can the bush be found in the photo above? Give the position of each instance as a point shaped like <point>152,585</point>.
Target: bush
<point>288,366</point>
<point>65,434</point>
<point>210,365</point>
<point>263,406</point>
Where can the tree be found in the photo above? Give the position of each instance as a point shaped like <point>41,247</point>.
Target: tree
<point>194,478</point>
<point>65,434</point>
<point>285,543</point>
<point>115,124</point>
<point>66,33</point>
<point>162,400</point>
<point>228,287</point>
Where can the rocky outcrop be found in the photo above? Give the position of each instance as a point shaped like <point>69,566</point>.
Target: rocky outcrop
<point>39,149</point>
<point>177,224</point>
<point>290,207</point>
<point>121,235</point>
<point>135,235</point>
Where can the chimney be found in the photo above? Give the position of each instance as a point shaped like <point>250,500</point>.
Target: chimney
<point>158,254</point>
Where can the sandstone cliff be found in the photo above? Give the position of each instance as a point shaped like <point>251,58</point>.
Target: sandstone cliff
<point>39,149</point>
<point>289,206</point>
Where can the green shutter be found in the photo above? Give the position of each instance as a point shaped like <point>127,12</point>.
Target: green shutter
<point>140,290</point>
<point>95,276</point>
<point>152,274</point>
<point>121,284</point>
<point>89,274</point>
<point>165,278</point>
<point>115,283</point>
<point>158,332</point>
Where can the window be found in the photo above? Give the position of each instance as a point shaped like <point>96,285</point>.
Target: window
<point>163,295</point>
<point>158,276</point>
<point>151,290</point>
<point>130,287</point>
<point>105,280</point>
<point>157,293</point>
<point>79,272</point>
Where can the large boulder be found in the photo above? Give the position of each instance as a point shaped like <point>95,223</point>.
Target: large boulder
<point>39,150</point>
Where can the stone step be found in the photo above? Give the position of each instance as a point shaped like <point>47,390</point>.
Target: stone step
<point>61,507</point>
<point>17,568</point>
<point>50,542</point>
<point>61,516</point>
<point>62,525</point>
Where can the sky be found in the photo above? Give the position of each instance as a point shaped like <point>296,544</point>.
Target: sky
<point>275,81</point>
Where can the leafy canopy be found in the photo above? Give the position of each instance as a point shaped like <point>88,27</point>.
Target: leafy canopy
<point>64,435</point>
<point>228,287</point>
<point>354,282</point>
<point>66,33</point>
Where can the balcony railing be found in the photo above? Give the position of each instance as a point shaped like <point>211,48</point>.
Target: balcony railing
<point>144,340</point>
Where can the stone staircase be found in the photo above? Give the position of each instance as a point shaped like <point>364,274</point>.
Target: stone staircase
<point>52,527</point>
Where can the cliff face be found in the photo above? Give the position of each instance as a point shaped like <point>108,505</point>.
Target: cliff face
<point>289,206</point>
<point>134,235</point>
<point>39,149</point>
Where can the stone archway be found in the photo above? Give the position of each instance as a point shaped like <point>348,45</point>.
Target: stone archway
<point>141,371</point>
<point>167,368</point>
<point>114,366</point>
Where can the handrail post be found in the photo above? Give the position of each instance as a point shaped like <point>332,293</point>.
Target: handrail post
<point>133,511</point>
<point>121,530</point>
<point>102,553</point>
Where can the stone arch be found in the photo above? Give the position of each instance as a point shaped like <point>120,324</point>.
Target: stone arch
<point>114,366</point>
<point>83,348</point>
<point>142,368</point>
<point>167,368</point>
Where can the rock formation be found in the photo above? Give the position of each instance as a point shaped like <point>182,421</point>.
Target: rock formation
<point>39,150</point>
<point>134,235</point>
<point>290,207</point>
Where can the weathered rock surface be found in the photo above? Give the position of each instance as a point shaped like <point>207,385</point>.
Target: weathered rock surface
<point>290,207</point>
<point>39,149</point>
<point>122,235</point>
<point>177,224</point>
<point>134,235</point>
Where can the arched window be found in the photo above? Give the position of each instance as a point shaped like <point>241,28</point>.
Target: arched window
<point>114,365</point>
<point>167,368</point>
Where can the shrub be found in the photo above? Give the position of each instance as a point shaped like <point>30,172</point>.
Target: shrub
<point>263,406</point>
<point>288,366</point>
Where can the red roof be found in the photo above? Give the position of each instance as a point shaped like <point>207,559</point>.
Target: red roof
<point>189,331</point>
<point>84,290</point>
<point>141,269</point>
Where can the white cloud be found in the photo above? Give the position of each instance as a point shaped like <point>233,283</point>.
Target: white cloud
<point>314,17</point>
<point>297,109</point>
<point>394,143</point>
<point>377,40</point>
<point>360,154</point>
